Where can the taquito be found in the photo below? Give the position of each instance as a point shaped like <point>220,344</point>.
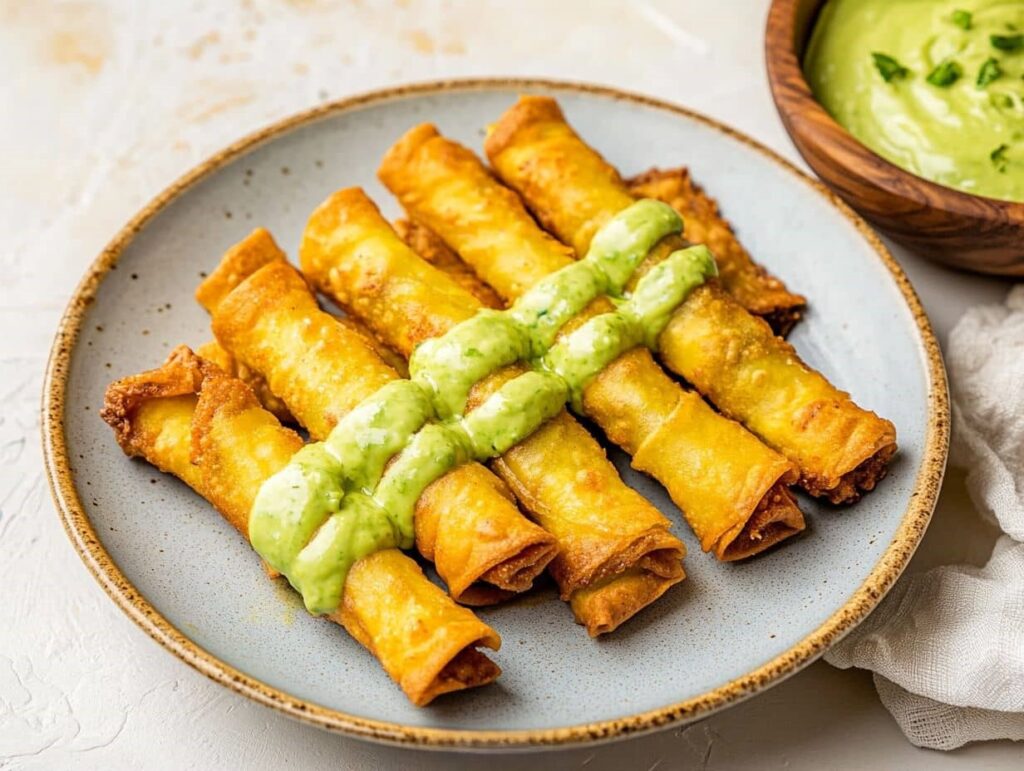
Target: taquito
<point>190,419</point>
<point>732,489</point>
<point>466,522</point>
<point>730,356</point>
<point>616,553</point>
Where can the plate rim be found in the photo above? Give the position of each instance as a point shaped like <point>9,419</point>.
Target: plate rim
<point>119,588</point>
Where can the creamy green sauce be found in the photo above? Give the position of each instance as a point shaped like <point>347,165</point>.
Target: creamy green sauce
<point>339,500</point>
<point>952,110</point>
<point>579,356</point>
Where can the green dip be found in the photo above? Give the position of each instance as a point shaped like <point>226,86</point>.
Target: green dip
<point>338,500</point>
<point>935,86</point>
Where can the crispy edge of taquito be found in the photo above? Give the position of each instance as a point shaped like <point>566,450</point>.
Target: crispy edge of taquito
<point>750,283</point>
<point>190,419</point>
<point>560,474</point>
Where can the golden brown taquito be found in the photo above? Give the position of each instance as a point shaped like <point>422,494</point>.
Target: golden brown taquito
<point>750,284</point>
<point>190,419</point>
<point>560,474</point>
<point>732,489</point>
<point>730,356</point>
<point>467,522</point>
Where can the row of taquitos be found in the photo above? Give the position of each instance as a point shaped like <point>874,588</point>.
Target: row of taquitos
<point>609,550</point>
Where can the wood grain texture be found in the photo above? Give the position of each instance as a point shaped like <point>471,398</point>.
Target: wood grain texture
<point>956,228</point>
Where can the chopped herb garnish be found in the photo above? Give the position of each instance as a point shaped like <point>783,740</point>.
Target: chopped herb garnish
<point>1007,42</point>
<point>946,74</point>
<point>962,19</point>
<point>999,159</point>
<point>889,68</point>
<point>989,71</point>
<point>1003,101</point>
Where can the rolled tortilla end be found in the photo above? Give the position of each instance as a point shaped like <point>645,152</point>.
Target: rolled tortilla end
<point>483,546</point>
<point>743,483</point>
<point>606,606</point>
<point>776,518</point>
<point>425,642</point>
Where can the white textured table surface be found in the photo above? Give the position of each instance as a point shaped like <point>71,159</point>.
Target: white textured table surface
<point>103,104</point>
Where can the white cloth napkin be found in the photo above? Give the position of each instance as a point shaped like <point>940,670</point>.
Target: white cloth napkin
<point>947,646</point>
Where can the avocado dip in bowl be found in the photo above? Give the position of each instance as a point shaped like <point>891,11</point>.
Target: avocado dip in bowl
<point>913,111</point>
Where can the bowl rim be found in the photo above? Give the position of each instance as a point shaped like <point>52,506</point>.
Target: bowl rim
<point>101,565</point>
<point>792,95</point>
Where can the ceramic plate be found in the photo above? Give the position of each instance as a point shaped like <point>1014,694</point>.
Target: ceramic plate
<point>728,631</point>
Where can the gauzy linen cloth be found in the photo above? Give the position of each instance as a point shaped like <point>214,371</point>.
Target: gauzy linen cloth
<point>947,646</point>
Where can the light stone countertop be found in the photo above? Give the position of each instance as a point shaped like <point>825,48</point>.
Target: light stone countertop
<point>104,102</point>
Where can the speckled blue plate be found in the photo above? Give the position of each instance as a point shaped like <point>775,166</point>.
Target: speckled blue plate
<point>728,631</point>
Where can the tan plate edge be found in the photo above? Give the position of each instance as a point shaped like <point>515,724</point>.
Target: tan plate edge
<point>101,565</point>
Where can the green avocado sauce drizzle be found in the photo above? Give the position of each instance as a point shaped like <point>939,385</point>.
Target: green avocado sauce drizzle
<point>339,500</point>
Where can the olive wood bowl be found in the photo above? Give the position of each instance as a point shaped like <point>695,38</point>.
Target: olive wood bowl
<point>960,229</point>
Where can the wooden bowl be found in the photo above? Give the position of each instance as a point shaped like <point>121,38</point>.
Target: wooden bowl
<point>957,228</point>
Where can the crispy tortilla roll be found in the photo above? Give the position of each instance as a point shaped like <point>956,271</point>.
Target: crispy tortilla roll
<point>758,378</point>
<point>718,473</point>
<point>536,124</point>
<point>240,261</point>
<point>729,355</point>
<point>194,421</point>
<point>466,522</point>
<point>749,283</point>
<point>560,474</point>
